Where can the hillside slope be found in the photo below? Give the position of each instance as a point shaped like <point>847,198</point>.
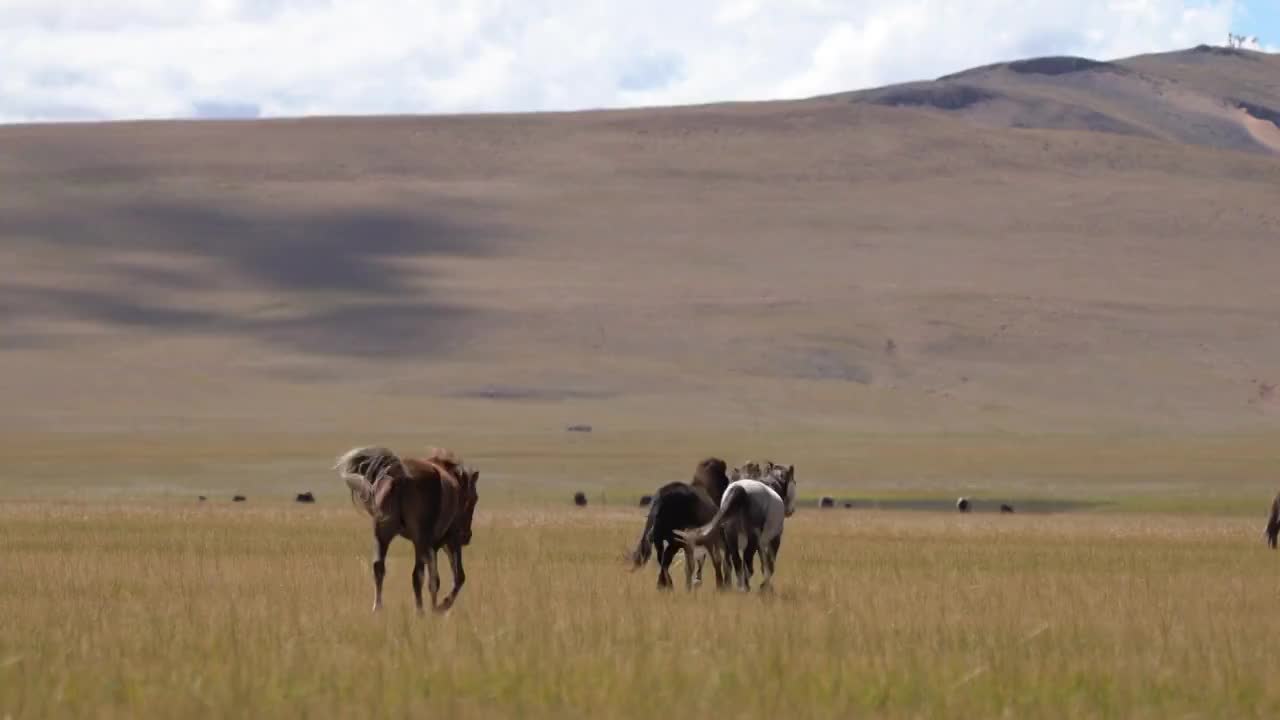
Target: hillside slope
<point>1216,97</point>
<point>822,263</point>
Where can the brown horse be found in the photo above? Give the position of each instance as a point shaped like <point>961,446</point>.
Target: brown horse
<point>429,501</point>
<point>711,477</point>
<point>1273,523</point>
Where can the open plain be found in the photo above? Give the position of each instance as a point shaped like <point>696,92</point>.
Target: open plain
<point>1051,285</point>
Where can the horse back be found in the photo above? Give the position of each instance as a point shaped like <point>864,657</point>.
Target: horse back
<point>435,498</point>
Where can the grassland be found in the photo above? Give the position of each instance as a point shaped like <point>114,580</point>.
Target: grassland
<point>164,609</point>
<point>906,306</point>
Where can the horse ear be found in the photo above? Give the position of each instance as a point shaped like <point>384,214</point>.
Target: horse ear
<point>475,476</point>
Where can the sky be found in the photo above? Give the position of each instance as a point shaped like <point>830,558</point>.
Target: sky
<point>76,60</point>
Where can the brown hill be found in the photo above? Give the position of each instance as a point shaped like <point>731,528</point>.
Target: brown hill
<point>825,263</point>
<point>1212,96</point>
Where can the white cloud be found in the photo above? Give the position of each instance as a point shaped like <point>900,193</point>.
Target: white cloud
<point>78,59</point>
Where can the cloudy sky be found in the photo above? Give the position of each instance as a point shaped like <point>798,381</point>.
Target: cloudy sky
<point>117,59</point>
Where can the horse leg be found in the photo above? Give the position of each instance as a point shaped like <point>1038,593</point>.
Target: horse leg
<point>381,540</point>
<point>459,575</point>
<point>733,560</point>
<point>417,580</point>
<point>689,562</point>
<point>768,560</point>
<point>748,555</point>
<point>717,560</point>
<point>433,577</point>
<point>664,566</point>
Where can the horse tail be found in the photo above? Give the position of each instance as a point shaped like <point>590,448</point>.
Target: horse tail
<point>361,493</point>
<point>734,501</point>
<point>645,547</point>
<point>355,466</point>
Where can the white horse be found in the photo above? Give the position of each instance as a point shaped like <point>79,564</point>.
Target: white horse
<point>756,509</point>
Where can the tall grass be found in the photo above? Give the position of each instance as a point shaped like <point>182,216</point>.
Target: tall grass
<point>234,611</point>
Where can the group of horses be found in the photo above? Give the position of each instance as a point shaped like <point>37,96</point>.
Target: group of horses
<point>431,500</point>
<point>719,512</point>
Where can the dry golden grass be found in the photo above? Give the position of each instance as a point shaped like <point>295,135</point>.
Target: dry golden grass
<point>263,610</point>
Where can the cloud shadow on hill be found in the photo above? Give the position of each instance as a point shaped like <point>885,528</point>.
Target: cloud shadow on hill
<point>343,268</point>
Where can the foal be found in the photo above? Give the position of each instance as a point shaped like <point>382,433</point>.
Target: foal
<point>429,501</point>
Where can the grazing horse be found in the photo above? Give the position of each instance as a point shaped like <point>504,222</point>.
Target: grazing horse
<point>677,506</point>
<point>755,508</point>
<point>1273,523</point>
<point>429,501</point>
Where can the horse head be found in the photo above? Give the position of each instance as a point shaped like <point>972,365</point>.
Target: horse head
<point>784,483</point>
<point>469,479</point>
<point>468,495</point>
<point>710,475</point>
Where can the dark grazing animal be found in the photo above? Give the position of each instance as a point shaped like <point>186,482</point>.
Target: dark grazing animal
<point>429,501</point>
<point>305,497</point>
<point>239,498</point>
<point>676,506</point>
<point>1006,508</point>
<point>1273,523</point>
<point>580,499</point>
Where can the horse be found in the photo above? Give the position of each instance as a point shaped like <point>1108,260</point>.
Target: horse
<point>733,534</point>
<point>429,501</point>
<point>1273,523</point>
<point>756,508</point>
<point>676,506</point>
<point>710,475</point>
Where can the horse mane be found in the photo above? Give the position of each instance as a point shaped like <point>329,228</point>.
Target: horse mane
<point>449,461</point>
<point>767,472</point>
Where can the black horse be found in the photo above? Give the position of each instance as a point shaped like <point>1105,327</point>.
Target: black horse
<point>676,506</point>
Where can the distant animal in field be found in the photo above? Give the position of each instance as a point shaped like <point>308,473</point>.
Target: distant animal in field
<point>1005,508</point>
<point>305,497</point>
<point>202,498</point>
<point>962,505</point>
<point>756,509</point>
<point>848,505</point>
<point>827,502</point>
<point>580,499</point>
<point>239,498</point>
<point>429,501</point>
<point>1272,530</point>
<point>677,506</point>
